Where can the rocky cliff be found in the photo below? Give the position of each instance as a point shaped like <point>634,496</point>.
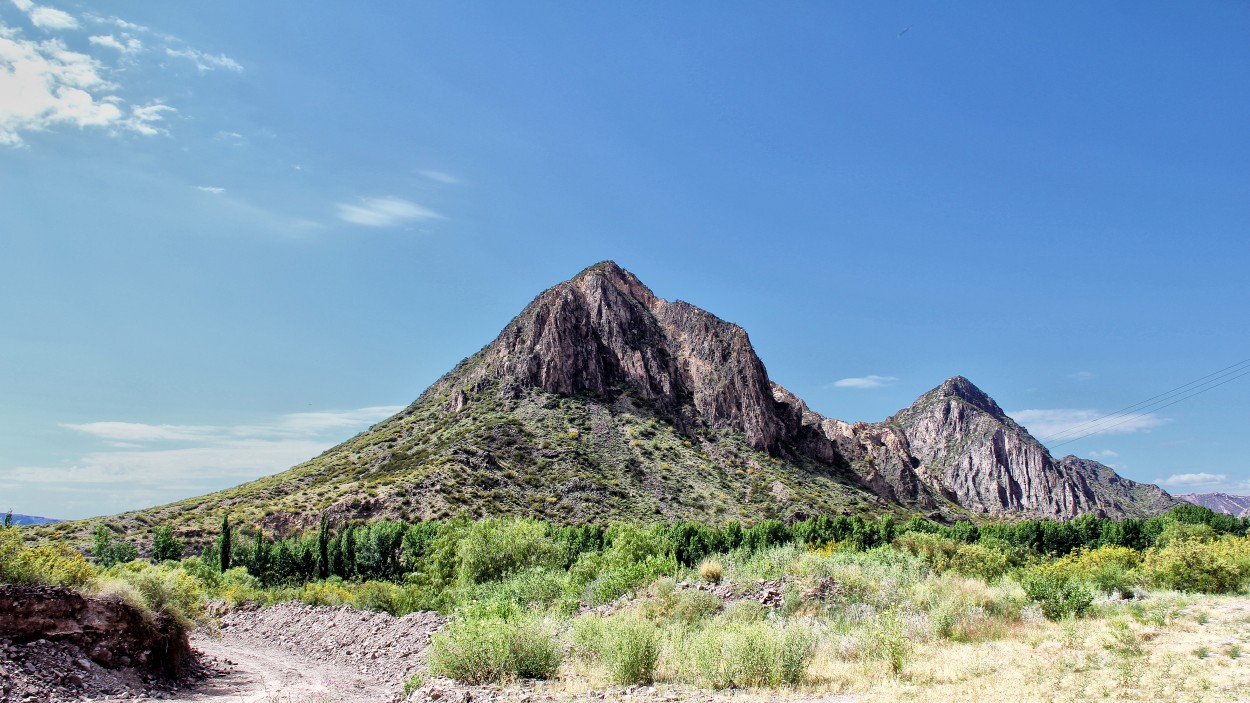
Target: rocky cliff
<point>604,333</point>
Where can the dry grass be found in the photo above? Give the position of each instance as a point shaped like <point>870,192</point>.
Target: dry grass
<point>1150,653</point>
<point>1165,648</point>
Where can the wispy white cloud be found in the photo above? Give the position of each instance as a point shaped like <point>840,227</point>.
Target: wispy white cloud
<point>205,61</point>
<point>142,118</point>
<point>50,18</point>
<point>129,46</point>
<point>1104,454</point>
<point>293,425</point>
<point>143,464</point>
<point>1194,480</point>
<point>384,212</point>
<point>1069,423</point>
<point>1081,376</point>
<point>865,382</point>
<point>46,85</point>
<point>116,22</point>
<point>440,177</point>
<point>215,190</point>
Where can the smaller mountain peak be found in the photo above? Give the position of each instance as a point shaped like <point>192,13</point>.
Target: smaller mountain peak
<point>965,390</point>
<point>617,277</point>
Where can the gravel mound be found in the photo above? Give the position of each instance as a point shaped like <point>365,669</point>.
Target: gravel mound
<point>381,646</point>
<point>61,672</point>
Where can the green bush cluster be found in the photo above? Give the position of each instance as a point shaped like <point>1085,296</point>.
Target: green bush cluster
<point>627,646</point>
<point>484,649</point>
<point>724,654</point>
<point>53,564</point>
<point>1059,596</point>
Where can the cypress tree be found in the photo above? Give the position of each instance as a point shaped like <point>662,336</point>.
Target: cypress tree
<point>323,548</point>
<point>260,558</point>
<point>349,551</point>
<point>223,542</point>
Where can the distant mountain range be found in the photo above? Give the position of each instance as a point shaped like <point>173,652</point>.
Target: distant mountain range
<point>32,520</point>
<point>1238,506</point>
<point>601,401</point>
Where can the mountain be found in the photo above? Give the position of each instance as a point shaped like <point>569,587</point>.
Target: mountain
<point>602,401</point>
<point>32,520</point>
<point>1237,506</point>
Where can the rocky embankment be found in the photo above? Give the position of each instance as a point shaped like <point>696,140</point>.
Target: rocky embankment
<point>60,645</point>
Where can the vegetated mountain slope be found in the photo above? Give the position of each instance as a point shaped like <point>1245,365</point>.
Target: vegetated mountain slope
<point>1238,506</point>
<point>602,401</point>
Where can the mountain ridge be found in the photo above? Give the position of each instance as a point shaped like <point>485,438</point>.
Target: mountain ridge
<point>603,401</point>
<point>1220,502</point>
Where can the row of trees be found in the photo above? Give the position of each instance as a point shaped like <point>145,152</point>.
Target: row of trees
<point>388,550</point>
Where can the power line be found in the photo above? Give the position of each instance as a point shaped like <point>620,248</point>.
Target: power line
<point>1235,368</point>
<point>1158,402</point>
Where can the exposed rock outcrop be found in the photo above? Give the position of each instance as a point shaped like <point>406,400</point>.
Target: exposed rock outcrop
<point>111,633</point>
<point>604,331</point>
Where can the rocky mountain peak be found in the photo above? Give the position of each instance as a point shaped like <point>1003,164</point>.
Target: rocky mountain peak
<point>603,333</point>
<point>609,273</point>
<point>965,390</point>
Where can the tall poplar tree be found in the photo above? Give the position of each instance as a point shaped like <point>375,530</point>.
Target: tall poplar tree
<point>224,545</point>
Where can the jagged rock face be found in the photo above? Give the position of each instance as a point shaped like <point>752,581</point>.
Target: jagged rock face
<point>879,454</point>
<point>1115,495</point>
<point>987,463</point>
<point>605,330</point>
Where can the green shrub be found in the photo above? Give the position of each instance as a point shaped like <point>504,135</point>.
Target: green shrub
<point>379,596</point>
<point>629,649</point>
<point>1058,595</point>
<point>666,602</point>
<point>165,547</point>
<point>724,654</point>
<point>885,639</point>
<point>491,649</point>
<point>495,547</point>
<point>164,590</point>
<point>1198,565</point>
<point>980,561</point>
<point>936,551</point>
<point>535,586</point>
<point>325,593</point>
<point>238,586</point>
<point>53,564</point>
<point>1109,568</point>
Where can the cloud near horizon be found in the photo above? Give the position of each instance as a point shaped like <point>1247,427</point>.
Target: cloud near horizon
<point>865,382</point>
<point>1069,423</point>
<point>1194,480</point>
<point>144,464</point>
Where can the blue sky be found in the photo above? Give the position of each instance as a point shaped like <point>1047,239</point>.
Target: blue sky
<point>238,233</point>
